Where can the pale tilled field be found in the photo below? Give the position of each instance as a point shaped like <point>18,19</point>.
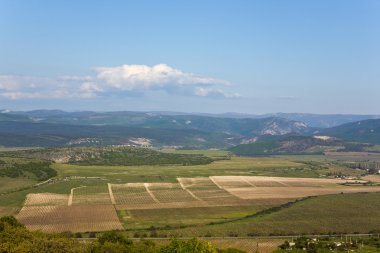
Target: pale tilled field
<point>286,188</point>
<point>79,218</point>
<point>93,208</point>
<point>57,213</point>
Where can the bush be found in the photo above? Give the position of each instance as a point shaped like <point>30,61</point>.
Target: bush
<point>11,221</point>
<point>114,237</point>
<point>190,246</point>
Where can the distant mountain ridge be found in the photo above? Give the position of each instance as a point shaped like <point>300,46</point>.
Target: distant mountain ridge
<point>32,134</point>
<point>53,128</point>
<point>312,120</point>
<point>233,126</point>
<point>58,128</point>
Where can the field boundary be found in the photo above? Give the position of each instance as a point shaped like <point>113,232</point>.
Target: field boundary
<point>247,237</point>
<point>190,192</point>
<point>218,185</point>
<point>70,202</point>
<point>146,185</point>
<point>250,183</point>
<point>112,197</point>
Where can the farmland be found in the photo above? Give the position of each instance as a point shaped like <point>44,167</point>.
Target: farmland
<point>216,199</point>
<point>335,214</point>
<point>89,208</point>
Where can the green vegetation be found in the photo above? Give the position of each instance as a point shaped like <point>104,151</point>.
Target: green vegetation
<point>374,148</point>
<point>197,221</point>
<point>330,214</point>
<point>214,154</point>
<point>296,145</point>
<point>14,237</point>
<point>31,134</point>
<point>257,148</point>
<point>8,184</point>
<point>125,156</point>
<point>367,131</point>
<point>134,156</point>
<point>262,166</point>
<point>15,168</point>
<point>135,220</point>
<point>326,244</point>
<point>71,176</point>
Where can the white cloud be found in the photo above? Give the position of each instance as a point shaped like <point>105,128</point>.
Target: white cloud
<point>75,78</point>
<point>21,95</point>
<point>89,90</point>
<point>14,83</point>
<point>207,92</point>
<point>140,77</point>
<point>110,81</point>
<point>31,87</point>
<point>90,87</point>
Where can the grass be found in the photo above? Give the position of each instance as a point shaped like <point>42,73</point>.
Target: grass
<point>374,148</point>
<point>343,213</point>
<point>5,149</point>
<point>330,213</point>
<point>17,198</point>
<point>212,153</point>
<point>176,217</point>
<point>235,166</point>
<point>13,184</point>
<point>249,245</point>
<point>261,166</point>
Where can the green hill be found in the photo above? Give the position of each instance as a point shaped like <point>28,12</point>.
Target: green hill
<point>277,145</point>
<point>112,156</point>
<point>367,131</point>
<point>30,134</point>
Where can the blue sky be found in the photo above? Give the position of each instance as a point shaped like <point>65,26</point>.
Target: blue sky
<point>318,56</point>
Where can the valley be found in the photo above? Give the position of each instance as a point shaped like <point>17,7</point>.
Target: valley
<point>151,182</point>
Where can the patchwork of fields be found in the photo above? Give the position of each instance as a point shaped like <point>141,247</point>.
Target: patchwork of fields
<point>96,208</point>
<point>55,213</point>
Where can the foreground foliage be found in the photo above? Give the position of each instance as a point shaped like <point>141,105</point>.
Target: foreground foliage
<point>320,245</point>
<point>14,237</point>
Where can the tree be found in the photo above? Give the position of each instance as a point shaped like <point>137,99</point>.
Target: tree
<point>191,246</point>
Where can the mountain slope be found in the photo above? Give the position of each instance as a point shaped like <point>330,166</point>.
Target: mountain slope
<point>367,131</point>
<point>290,144</point>
<point>27,134</point>
<point>243,127</point>
<point>323,120</point>
<point>312,120</point>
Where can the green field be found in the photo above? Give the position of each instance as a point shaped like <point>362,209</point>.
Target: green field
<point>234,166</point>
<point>324,214</point>
<point>331,214</point>
<point>181,217</point>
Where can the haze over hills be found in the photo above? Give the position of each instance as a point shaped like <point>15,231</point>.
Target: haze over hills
<point>53,128</point>
<point>362,131</point>
<point>132,117</point>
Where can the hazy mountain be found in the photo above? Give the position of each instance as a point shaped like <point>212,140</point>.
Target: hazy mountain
<point>312,120</point>
<point>59,128</point>
<point>324,121</point>
<point>233,126</point>
<point>290,144</point>
<point>26,134</point>
<point>363,131</point>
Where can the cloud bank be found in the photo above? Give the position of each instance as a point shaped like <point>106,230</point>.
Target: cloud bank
<point>113,80</point>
